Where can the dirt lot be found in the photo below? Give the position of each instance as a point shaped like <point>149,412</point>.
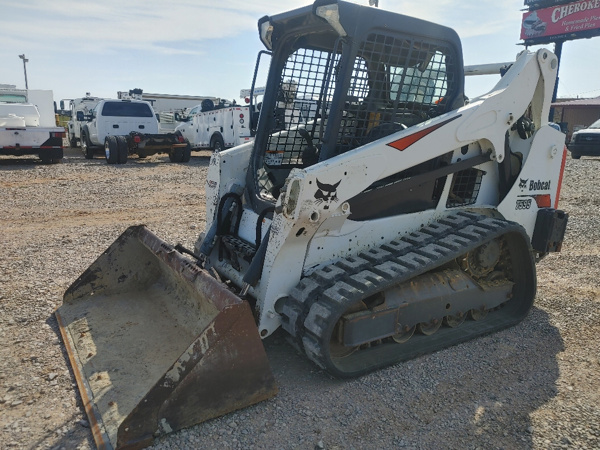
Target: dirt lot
<point>532,386</point>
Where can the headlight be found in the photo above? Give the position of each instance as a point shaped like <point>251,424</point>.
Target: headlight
<point>266,33</point>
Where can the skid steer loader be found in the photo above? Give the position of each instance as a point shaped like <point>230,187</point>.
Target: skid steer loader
<point>397,220</point>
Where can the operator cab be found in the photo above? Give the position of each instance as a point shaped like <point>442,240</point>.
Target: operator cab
<point>365,79</point>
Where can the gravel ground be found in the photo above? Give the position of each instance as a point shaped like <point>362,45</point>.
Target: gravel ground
<point>532,386</point>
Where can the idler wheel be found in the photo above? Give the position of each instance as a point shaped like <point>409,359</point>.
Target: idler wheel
<point>483,260</point>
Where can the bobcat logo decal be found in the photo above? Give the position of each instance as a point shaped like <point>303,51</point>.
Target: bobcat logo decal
<point>326,193</point>
<point>523,183</point>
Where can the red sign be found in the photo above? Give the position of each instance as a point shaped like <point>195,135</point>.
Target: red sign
<point>570,21</point>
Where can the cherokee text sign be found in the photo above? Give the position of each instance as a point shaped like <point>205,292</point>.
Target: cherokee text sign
<point>574,20</point>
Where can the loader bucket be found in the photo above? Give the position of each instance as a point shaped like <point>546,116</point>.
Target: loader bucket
<point>157,344</point>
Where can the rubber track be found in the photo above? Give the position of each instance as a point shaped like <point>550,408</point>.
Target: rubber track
<point>321,298</point>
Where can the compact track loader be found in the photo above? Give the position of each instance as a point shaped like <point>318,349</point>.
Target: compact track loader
<point>397,220</point>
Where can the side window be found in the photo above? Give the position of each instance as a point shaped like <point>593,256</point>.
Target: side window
<point>13,98</point>
<point>426,82</point>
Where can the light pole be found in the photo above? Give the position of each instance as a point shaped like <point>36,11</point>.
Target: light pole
<point>25,60</point>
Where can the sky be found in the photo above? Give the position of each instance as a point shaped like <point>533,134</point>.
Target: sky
<point>208,48</point>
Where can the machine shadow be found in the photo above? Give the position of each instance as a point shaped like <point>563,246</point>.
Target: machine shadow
<point>483,390</point>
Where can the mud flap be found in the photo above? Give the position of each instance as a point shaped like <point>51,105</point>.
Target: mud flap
<point>157,344</point>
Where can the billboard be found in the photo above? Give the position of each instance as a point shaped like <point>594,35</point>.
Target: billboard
<point>574,20</point>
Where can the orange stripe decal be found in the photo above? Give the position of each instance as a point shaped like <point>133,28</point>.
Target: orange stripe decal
<point>405,142</point>
<point>560,177</point>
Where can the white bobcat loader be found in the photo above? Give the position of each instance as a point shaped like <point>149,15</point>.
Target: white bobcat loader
<point>396,221</point>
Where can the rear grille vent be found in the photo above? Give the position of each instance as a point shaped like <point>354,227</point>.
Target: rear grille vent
<point>465,187</point>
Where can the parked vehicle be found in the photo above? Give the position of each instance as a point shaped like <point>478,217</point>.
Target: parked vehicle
<point>585,142</point>
<point>124,127</point>
<point>28,124</point>
<point>81,109</point>
<point>216,127</point>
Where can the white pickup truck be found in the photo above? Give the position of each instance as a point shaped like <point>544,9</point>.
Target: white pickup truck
<point>28,125</point>
<point>124,127</point>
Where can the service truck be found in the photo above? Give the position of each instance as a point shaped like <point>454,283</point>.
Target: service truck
<point>216,127</point>
<point>28,124</point>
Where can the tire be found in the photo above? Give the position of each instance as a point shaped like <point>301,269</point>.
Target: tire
<point>575,156</point>
<point>49,159</point>
<point>86,147</point>
<point>176,155</point>
<point>122,150</point>
<point>72,141</point>
<point>217,144</point>
<point>186,153</point>
<point>111,150</point>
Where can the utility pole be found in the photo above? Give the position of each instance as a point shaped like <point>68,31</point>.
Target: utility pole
<point>25,61</point>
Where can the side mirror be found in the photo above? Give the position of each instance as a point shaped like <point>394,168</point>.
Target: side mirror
<point>62,104</point>
<point>80,116</point>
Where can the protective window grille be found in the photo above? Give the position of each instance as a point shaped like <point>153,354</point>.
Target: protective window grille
<point>303,90</point>
<point>465,188</point>
<point>396,83</point>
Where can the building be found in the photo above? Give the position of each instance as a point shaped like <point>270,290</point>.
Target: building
<point>574,114</point>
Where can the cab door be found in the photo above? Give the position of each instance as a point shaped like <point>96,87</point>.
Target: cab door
<point>189,128</point>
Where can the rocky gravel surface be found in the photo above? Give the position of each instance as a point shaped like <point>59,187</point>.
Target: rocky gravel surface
<point>535,385</point>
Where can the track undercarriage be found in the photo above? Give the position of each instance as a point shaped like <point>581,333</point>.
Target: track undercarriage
<point>464,276</point>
